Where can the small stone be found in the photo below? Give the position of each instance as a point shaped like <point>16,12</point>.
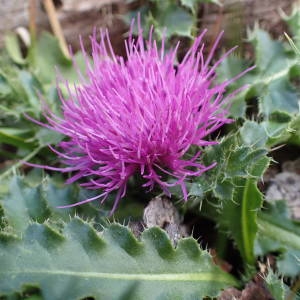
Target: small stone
<point>162,213</point>
<point>286,186</point>
<point>230,294</point>
<point>136,227</point>
<point>254,291</point>
<point>292,166</point>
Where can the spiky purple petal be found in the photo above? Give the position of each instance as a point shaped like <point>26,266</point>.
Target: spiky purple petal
<point>139,115</point>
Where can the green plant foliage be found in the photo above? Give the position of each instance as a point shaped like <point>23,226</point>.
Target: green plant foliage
<point>239,217</point>
<point>17,137</point>
<point>235,160</point>
<point>292,21</point>
<point>241,161</point>
<point>170,17</point>
<point>278,233</point>
<point>46,55</point>
<point>48,252</point>
<point>24,81</point>
<point>275,285</point>
<point>13,48</point>
<point>253,134</point>
<point>24,204</point>
<point>36,197</point>
<point>192,4</point>
<point>32,199</point>
<point>270,84</point>
<point>293,45</point>
<point>272,75</point>
<point>80,263</point>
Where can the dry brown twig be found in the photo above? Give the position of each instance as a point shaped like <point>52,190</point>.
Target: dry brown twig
<point>55,25</point>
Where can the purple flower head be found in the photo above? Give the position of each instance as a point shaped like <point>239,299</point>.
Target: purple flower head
<point>140,115</point>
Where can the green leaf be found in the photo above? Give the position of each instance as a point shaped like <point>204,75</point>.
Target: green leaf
<point>172,19</point>
<point>79,263</point>
<point>270,58</point>
<point>12,93</point>
<point>278,95</point>
<point>5,88</point>
<point>46,137</point>
<point>276,232</point>
<point>270,84</point>
<point>229,68</point>
<point>13,48</point>
<point>294,130</point>
<point>23,205</point>
<point>192,4</point>
<point>293,45</point>
<point>241,162</point>
<point>234,160</point>
<point>280,127</point>
<point>36,197</point>
<point>271,81</point>
<point>239,216</point>
<point>31,199</point>
<point>22,93</point>
<point>45,55</point>
<point>31,86</point>
<point>16,136</point>
<point>275,285</point>
<point>293,22</point>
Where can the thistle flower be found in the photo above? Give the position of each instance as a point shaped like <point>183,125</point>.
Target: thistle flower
<point>139,115</point>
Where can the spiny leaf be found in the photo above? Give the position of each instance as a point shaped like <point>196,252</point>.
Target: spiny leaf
<point>235,159</point>
<point>270,83</point>
<point>78,263</point>
<point>168,17</point>
<point>294,130</point>
<point>36,197</point>
<point>275,285</point>
<point>239,216</point>
<point>241,162</point>
<point>278,95</point>
<point>276,232</point>
<point>292,44</point>
<point>280,127</point>
<point>24,204</point>
<point>270,55</point>
<point>29,201</point>
<point>172,19</point>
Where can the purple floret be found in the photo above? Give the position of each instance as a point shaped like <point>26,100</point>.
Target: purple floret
<point>140,115</point>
